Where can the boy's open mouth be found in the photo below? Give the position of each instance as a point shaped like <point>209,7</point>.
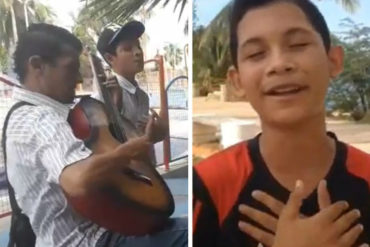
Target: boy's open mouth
<point>286,89</point>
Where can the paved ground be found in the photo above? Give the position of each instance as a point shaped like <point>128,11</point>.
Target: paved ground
<point>208,115</point>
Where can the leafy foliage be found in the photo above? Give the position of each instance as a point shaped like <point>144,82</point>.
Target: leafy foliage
<point>120,10</point>
<point>351,91</point>
<point>173,55</point>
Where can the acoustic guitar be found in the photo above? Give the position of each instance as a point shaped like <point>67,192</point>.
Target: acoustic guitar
<point>142,203</point>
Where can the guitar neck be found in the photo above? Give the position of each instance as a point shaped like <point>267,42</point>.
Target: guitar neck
<point>111,108</point>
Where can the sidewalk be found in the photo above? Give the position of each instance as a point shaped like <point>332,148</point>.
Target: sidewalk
<point>208,115</point>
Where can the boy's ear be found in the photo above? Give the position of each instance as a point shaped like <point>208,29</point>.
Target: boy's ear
<point>336,58</point>
<point>234,79</point>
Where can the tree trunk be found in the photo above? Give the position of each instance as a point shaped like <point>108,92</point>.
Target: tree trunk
<point>363,103</point>
<point>14,25</point>
<point>25,13</point>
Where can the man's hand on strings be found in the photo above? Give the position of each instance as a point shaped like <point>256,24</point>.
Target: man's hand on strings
<point>156,128</point>
<point>161,127</point>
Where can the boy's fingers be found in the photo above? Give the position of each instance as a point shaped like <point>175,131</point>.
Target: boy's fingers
<point>264,237</point>
<point>267,221</point>
<point>273,204</point>
<point>323,196</point>
<point>364,245</point>
<point>345,221</point>
<point>332,212</point>
<point>350,237</point>
<point>294,203</point>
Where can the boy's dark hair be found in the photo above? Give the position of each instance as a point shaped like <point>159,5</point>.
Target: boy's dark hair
<point>241,7</point>
<point>44,40</point>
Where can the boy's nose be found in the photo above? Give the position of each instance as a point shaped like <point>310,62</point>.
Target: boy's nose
<point>280,63</point>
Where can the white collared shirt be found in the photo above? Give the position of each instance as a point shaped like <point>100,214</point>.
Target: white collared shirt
<point>135,104</point>
<point>125,84</point>
<point>39,145</point>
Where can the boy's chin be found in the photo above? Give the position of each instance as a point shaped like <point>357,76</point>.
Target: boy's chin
<point>288,118</point>
<point>139,69</point>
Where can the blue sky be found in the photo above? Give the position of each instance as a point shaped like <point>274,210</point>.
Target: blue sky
<point>332,11</point>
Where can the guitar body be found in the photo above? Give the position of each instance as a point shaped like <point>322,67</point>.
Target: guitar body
<point>135,206</point>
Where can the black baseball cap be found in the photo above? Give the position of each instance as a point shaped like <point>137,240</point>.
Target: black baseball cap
<point>109,37</point>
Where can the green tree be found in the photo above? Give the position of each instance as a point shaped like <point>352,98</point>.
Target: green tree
<point>8,26</point>
<point>349,5</point>
<point>211,55</point>
<point>3,60</point>
<point>117,11</point>
<point>219,26</point>
<point>15,13</point>
<point>38,12</point>
<point>351,91</point>
<point>87,29</point>
<point>173,55</point>
<point>195,15</point>
<point>14,16</point>
<point>211,45</point>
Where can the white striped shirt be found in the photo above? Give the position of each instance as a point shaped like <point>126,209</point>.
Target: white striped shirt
<point>40,144</point>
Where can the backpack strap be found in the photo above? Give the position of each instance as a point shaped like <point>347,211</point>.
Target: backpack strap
<point>13,202</point>
<point>16,210</point>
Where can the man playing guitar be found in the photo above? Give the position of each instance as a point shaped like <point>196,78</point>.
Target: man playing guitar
<point>46,163</point>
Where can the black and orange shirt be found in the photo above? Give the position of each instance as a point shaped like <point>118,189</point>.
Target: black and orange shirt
<point>228,178</point>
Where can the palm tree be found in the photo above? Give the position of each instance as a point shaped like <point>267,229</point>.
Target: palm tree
<point>13,18</point>
<point>173,55</point>
<point>211,55</point>
<point>349,5</point>
<point>87,29</point>
<point>221,21</point>
<point>38,12</point>
<point>212,43</point>
<point>14,15</point>
<point>8,27</point>
<point>217,29</point>
<point>121,10</point>
<point>3,60</point>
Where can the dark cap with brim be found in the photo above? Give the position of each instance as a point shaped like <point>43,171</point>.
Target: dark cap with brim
<point>109,38</point>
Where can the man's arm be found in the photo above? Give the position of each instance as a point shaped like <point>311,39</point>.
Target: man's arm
<point>74,167</point>
<point>84,177</point>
